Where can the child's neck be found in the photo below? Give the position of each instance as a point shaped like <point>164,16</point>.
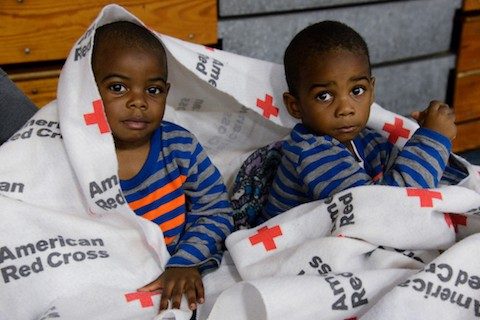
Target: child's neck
<point>131,160</point>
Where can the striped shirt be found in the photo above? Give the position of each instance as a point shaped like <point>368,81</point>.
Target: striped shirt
<point>315,167</point>
<point>180,189</point>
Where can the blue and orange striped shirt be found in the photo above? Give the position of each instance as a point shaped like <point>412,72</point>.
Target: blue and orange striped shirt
<point>180,189</point>
<point>316,167</point>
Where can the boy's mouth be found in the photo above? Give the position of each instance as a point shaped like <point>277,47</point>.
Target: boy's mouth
<point>347,129</point>
<point>135,124</point>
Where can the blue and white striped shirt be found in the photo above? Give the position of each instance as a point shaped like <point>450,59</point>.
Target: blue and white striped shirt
<point>180,189</point>
<point>315,167</point>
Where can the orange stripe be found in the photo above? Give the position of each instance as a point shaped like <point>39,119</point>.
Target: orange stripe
<point>170,224</point>
<point>157,194</point>
<point>169,240</point>
<point>164,208</point>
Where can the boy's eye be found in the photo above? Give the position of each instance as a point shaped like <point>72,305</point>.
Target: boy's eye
<point>358,91</point>
<point>117,87</point>
<point>154,90</point>
<point>324,96</point>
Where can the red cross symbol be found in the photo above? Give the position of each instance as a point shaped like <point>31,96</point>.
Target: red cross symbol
<point>454,220</point>
<point>267,106</point>
<point>396,130</point>
<point>97,117</point>
<point>425,196</point>
<point>266,235</point>
<point>145,298</point>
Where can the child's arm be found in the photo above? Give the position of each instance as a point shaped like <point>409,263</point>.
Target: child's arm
<point>209,218</point>
<point>420,163</point>
<point>423,159</point>
<point>208,222</point>
<point>327,167</point>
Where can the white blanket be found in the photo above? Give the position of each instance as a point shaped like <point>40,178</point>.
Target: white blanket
<point>71,248</point>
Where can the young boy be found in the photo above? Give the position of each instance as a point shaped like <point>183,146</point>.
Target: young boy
<point>331,89</point>
<point>165,174</point>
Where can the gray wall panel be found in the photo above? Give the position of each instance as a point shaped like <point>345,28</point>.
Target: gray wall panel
<point>393,30</point>
<point>243,7</point>
<point>407,87</point>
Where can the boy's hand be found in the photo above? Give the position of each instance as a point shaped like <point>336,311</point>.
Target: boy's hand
<point>176,281</point>
<point>438,117</point>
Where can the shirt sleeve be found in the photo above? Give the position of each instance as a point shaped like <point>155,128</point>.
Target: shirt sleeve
<point>209,215</point>
<point>421,163</point>
<point>327,167</point>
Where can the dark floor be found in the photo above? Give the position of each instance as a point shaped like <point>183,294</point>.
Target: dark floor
<point>472,156</point>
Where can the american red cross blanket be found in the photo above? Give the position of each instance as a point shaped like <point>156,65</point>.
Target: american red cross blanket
<point>71,248</point>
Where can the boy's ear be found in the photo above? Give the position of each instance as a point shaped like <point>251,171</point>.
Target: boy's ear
<point>291,103</point>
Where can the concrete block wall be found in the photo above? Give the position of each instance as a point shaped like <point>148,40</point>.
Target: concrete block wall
<point>410,41</point>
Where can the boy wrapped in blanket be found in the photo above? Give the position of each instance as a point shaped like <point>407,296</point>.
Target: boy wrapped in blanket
<point>166,176</point>
<point>331,89</point>
<point>164,173</point>
<point>334,241</point>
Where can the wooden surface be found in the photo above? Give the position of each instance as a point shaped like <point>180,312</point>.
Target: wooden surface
<point>467,97</point>
<point>40,90</point>
<point>470,5</point>
<point>468,136</point>
<point>469,53</point>
<point>42,30</point>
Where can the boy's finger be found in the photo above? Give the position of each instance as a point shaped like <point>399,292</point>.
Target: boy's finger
<point>445,108</point>
<point>152,286</point>
<point>177,296</point>
<point>164,299</point>
<point>436,103</point>
<point>191,294</point>
<point>200,291</point>
<point>415,115</point>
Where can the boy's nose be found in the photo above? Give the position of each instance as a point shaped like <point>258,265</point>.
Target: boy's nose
<point>344,108</point>
<point>137,100</point>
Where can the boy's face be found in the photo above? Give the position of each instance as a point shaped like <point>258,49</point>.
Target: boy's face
<point>133,87</point>
<point>335,91</point>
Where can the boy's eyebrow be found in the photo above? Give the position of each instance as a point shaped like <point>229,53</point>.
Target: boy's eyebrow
<point>320,84</point>
<point>327,83</point>
<point>115,75</point>
<point>359,78</point>
<point>158,79</point>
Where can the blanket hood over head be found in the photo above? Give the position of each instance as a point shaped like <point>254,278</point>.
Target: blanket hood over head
<point>70,245</point>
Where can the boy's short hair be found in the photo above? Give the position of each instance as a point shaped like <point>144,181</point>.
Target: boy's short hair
<point>316,39</point>
<point>129,35</point>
